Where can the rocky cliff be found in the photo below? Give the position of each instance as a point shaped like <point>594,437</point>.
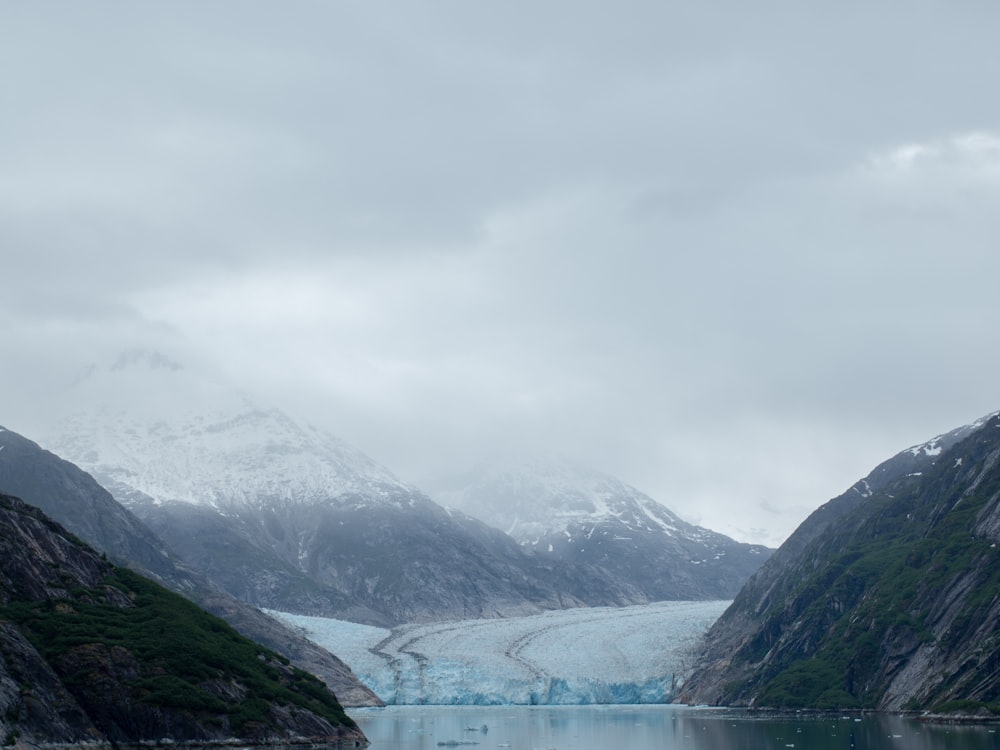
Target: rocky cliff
<point>74,499</point>
<point>382,563</point>
<point>93,653</point>
<point>887,597</point>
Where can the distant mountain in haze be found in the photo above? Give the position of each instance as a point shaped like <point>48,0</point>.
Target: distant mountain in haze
<point>583,517</point>
<point>288,517</point>
<point>886,597</point>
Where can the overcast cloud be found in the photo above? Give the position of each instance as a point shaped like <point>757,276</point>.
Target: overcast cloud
<point>735,254</point>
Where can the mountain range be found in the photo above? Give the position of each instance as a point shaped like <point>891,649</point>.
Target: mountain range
<point>287,517</point>
<point>886,597</point>
<point>74,499</point>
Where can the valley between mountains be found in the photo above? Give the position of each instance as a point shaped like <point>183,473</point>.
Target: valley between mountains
<point>537,582</point>
<point>287,517</point>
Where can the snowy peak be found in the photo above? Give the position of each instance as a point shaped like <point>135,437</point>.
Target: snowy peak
<point>563,512</point>
<point>917,459</point>
<point>936,445</point>
<point>542,497</point>
<point>154,430</point>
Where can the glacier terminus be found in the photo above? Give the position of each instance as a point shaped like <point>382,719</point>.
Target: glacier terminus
<point>612,655</point>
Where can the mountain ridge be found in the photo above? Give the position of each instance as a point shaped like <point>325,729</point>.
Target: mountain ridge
<point>74,499</point>
<point>151,429</point>
<point>886,597</point>
<point>303,522</point>
<point>300,519</point>
<point>585,517</point>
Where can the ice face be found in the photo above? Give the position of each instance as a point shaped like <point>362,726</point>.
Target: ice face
<point>568,657</point>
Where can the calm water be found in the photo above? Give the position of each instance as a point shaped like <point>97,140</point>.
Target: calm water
<point>651,728</point>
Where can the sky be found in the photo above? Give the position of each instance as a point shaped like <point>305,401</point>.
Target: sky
<point>735,254</point>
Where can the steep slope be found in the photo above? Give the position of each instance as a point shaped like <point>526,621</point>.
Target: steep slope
<point>373,563</point>
<point>74,499</point>
<point>287,517</point>
<point>585,518</point>
<point>94,653</point>
<point>887,597</point>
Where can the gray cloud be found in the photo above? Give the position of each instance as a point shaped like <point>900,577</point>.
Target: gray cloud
<point>649,236</point>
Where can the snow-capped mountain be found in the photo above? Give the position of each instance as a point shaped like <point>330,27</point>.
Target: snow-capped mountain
<point>540,498</point>
<point>288,517</point>
<point>578,515</point>
<point>71,497</point>
<point>153,429</point>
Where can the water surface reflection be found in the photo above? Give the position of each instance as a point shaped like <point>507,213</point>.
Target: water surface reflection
<point>653,728</point>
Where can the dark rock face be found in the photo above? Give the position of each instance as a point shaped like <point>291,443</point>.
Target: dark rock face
<point>237,553</point>
<point>92,653</point>
<point>886,597</point>
<point>45,711</point>
<point>78,502</point>
<point>382,564</point>
<point>659,567</point>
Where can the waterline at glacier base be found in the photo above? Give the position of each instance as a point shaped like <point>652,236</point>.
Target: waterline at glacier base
<point>602,655</point>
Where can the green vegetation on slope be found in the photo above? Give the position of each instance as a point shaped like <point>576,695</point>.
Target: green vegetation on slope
<point>182,654</point>
<point>861,611</point>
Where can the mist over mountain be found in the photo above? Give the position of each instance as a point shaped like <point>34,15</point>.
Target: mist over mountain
<point>155,431</point>
<point>288,517</point>
<point>566,512</point>
<point>886,597</point>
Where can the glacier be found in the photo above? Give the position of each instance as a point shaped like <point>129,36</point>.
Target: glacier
<point>600,655</point>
